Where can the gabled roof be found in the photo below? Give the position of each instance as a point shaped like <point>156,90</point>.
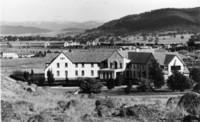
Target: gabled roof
<point>165,58</point>
<point>139,57</point>
<point>88,57</point>
<point>168,58</point>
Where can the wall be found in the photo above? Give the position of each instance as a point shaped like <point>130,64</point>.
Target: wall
<point>62,59</point>
<point>137,68</point>
<point>175,61</point>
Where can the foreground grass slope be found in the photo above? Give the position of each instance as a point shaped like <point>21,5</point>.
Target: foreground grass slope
<point>46,104</point>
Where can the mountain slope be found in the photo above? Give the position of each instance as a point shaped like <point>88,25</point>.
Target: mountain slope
<point>156,20</point>
<point>21,30</point>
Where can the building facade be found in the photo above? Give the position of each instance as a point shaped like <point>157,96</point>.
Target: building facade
<point>112,65</point>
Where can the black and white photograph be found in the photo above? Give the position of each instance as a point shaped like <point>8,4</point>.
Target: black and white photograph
<point>100,60</point>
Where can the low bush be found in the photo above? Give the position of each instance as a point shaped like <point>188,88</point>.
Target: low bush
<point>178,81</point>
<point>110,84</point>
<point>90,86</point>
<point>144,85</point>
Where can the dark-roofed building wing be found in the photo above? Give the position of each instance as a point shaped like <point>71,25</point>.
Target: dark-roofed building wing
<point>139,57</point>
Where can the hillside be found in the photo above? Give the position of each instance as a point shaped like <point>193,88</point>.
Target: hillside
<point>21,30</point>
<point>156,20</point>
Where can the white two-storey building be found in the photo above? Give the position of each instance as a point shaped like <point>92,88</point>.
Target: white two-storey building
<point>112,64</point>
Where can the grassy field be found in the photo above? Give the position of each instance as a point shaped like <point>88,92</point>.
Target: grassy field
<point>25,64</point>
<point>162,39</point>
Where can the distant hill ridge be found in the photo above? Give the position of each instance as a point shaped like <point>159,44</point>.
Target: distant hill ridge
<point>156,20</point>
<point>5,29</point>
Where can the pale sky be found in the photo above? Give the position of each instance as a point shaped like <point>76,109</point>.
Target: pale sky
<point>82,10</point>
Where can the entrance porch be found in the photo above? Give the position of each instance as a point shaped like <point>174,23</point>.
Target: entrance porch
<point>110,73</point>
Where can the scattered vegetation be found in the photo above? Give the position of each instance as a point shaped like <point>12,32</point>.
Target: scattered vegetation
<point>90,86</point>
<point>178,81</point>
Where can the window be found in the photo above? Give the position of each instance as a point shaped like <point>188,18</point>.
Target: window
<point>58,73</point>
<point>83,73</point>
<point>62,58</point>
<point>121,65</point>
<point>110,65</point>
<point>134,74</point>
<point>92,65</point>
<point>66,73</point>
<point>66,64</point>
<point>135,66</point>
<point>76,73</point>
<point>175,67</point>
<point>82,64</point>
<point>92,73</point>
<point>76,65</point>
<point>58,65</point>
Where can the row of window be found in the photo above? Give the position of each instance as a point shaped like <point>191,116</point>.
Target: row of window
<point>135,74</point>
<point>115,65</point>
<point>136,66</point>
<point>76,65</point>
<point>76,73</point>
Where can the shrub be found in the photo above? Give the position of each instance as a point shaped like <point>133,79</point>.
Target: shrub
<point>144,85</point>
<point>195,74</point>
<point>18,73</point>
<point>110,84</point>
<point>178,81</point>
<point>90,86</point>
<point>127,90</point>
<point>50,77</point>
<point>66,80</point>
<point>196,88</point>
<point>26,75</point>
<point>118,82</point>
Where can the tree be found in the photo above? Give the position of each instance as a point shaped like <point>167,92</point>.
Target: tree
<point>50,77</point>
<point>191,43</point>
<point>32,73</point>
<point>156,40</point>
<point>127,90</point>
<point>67,80</point>
<point>90,86</point>
<point>156,75</point>
<point>110,84</point>
<point>32,76</point>
<point>26,75</point>
<point>195,74</point>
<point>178,81</point>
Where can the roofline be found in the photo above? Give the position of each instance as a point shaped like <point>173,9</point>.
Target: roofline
<point>146,60</point>
<point>55,59</point>
<point>113,52</point>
